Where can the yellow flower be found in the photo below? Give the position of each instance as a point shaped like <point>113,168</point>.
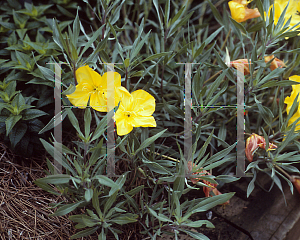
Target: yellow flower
<point>135,110</point>
<point>240,12</point>
<point>289,101</point>
<point>92,85</point>
<point>296,89</point>
<point>294,119</point>
<point>292,11</point>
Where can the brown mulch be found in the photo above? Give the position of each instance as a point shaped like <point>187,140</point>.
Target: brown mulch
<point>24,207</point>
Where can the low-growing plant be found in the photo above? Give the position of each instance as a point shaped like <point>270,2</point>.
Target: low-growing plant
<point>153,47</point>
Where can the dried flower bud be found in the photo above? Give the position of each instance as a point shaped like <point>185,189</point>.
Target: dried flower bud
<point>296,181</point>
<point>212,186</point>
<point>276,63</point>
<point>239,63</point>
<point>255,141</point>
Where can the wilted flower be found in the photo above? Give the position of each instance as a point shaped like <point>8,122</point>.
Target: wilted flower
<point>276,63</point>
<point>296,181</point>
<point>94,87</point>
<point>135,110</point>
<point>239,62</point>
<point>255,141</point>
<point>240,12</point>
<point>207,190</point>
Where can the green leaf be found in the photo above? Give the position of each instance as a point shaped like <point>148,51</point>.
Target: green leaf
<point>17,133</point>
<point>46,187</point>
<point>149,141</point>
<point>226,178</point>
<point>251,184</point>
<point>84,233</point>
<point>54,123</point>
<point>109,202</point>
<point>87,122</point>
<point>125,218</point>
<point>156,55</point>
<point>216,13</point>
<point>66,209</point>
<point>137,49</point>
<point>159,216</point>
<point>74,121</point>
<point>50,149</point>
<point>196,224</point>
<point>91,41</point>
<point>32,113</point>
<point>55,179</point>
<point>273,74</point>
<point>239,26</point>
<point>11,121</point>
<point>211,202</point>
<point>195,235</point>
<point>219,155</point>
<point>155,167</point>
<point>106,181</point>
<point>102,125</point>
<point>281,83</point>
<point>88,194</point>
<point>265,112</point>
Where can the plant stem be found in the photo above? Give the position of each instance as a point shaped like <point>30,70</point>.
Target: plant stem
<point>170,158</point>
<point>213,76</point>
<point>284,172</point>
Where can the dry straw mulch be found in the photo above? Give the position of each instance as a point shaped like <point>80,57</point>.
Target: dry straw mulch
<point>24,207</point>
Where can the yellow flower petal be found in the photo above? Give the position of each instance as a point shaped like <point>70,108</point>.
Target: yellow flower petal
<point>296,89</point>
<point>237,10</point>
<point>80,97</point>
<point>116,77</point>
<point>141,121</point>
<point>240,12</point>
<point>293,119</point>
<point>144,103</point>
<point>135,110</point>
<point>89,76</point>
<point>91,84</point>
<point>292,11</point>
<point>123,127</point>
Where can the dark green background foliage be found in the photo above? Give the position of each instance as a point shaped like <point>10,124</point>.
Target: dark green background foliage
<point>26,43</point>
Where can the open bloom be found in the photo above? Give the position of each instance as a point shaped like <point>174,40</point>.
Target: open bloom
<point>94,87</point>
<point>293,10</point>
<point>255,141</point>
<point>276,63</point>
<point>240,12</point>
<point>135,110</point>
<point>207,190</point>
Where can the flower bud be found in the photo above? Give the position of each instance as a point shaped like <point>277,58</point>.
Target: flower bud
<point>240,63</point>
<point>255,141</point>
<point>276,63</point>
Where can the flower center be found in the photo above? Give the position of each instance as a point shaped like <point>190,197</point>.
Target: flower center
<point>128,114</point>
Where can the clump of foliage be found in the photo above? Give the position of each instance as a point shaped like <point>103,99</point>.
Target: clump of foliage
<point>27,47</point>
<point>150,44</point>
